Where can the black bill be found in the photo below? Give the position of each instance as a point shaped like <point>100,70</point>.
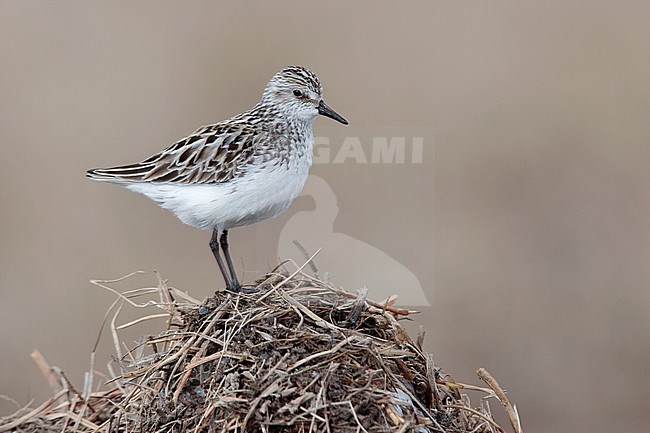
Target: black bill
<point>327,111</point>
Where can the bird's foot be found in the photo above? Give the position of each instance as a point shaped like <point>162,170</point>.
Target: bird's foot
<point>238,288</point>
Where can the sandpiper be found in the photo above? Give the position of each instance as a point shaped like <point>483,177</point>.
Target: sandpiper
<point>239,171</point>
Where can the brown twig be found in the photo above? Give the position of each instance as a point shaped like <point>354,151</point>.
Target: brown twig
<point>501,395</point>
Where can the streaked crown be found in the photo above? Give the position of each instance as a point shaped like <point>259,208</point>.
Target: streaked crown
<point>296,76</point>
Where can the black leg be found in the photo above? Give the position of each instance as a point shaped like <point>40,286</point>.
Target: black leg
<point>214,246</point>
<point>226,252</point>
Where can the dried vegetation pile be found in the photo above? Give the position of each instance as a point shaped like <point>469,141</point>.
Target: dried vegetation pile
<point>296,355</point>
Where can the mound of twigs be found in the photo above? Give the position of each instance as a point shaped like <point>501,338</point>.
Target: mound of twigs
<point>295,355</point>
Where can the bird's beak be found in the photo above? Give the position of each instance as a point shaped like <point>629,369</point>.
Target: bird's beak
<point>327,111</point>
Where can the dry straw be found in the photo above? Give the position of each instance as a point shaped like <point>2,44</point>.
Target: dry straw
<point>295,355</point>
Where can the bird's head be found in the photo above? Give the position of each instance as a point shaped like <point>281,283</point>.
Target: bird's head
<point>297,92</point>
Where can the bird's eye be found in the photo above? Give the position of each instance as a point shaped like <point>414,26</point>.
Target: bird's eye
<point>297,93</point>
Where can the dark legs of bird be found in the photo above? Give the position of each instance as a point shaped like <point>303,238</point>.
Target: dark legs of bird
<point>232,283</point>
<point>226,254</point>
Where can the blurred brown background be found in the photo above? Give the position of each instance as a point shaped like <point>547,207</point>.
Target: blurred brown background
<point>526,224</point>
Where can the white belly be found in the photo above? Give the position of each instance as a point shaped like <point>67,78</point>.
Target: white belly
<point>259,195</point>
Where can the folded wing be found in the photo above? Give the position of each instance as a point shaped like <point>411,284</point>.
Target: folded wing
<point>213,154</point>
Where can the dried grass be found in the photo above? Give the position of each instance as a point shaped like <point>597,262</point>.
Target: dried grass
<point>296,355</point>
